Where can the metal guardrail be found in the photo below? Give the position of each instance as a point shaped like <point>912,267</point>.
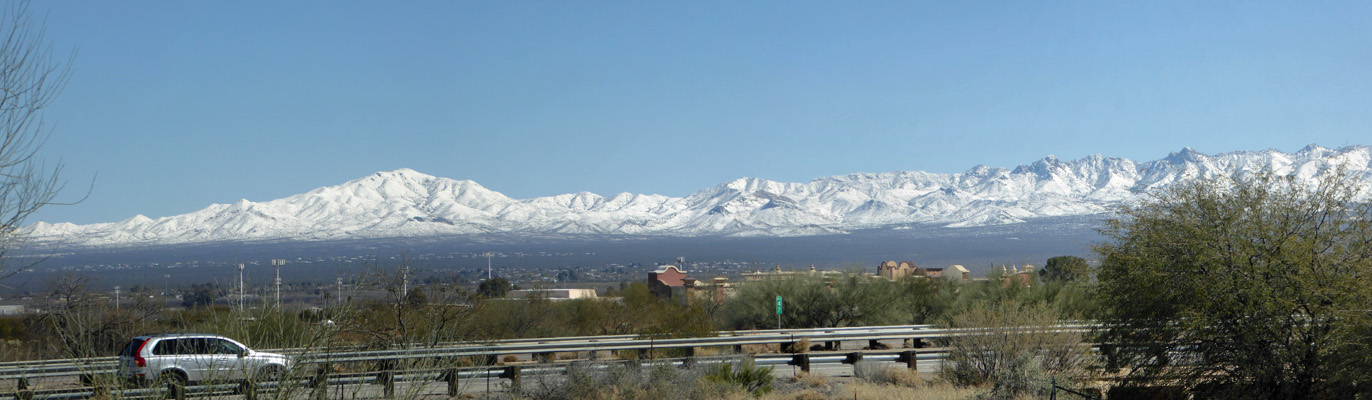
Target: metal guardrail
<point>106,365</point>
<point>433,375</point>
<point>23,371</point>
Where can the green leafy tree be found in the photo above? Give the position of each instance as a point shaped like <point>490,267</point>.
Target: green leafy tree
<point>817,301</point>
<point>493,288</point>
<point>1065,269</point>
<point>199,295</point>
<point>1242,287</point>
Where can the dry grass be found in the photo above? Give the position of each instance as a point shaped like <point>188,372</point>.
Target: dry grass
<point>889,375</point>
<point>770,348</point>
<point>932,391</point>
<point>804,379</point>
<point>864,390</point>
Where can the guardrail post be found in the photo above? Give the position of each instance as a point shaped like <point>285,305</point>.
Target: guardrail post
<point>801,360</point>
<point>833,345</point>
<point>1111,358</point>
<point>387,378</point>
<point>876,345</point>
<point>451,376</point>
<point>511,373</point>
<point>909,358</point>
<point>102,390</point>
<point>917,343</point>
<point>319,386</point>
<point>491,359</point>
<point>176,390</point>
<point>853,358</point>
<point>249,389</point>
<point>738,349</point>
<point>22,390</point>
<point>690,351</point>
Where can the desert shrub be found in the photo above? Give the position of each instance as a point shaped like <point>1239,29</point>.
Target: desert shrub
<point>625,381</point>
<point>752,378</point>
<point>1014,350</point>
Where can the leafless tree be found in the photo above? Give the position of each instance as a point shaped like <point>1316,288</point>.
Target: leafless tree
<point>30,79</point>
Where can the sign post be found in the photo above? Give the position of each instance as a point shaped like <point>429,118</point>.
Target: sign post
<point>778,312</point>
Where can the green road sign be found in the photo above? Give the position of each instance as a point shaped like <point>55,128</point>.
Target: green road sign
<point>778,305</point>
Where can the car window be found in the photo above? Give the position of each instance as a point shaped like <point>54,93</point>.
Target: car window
<point>226,347</point>
<point>202,346</point>
<point>166,347</point>
<point>132,348</point>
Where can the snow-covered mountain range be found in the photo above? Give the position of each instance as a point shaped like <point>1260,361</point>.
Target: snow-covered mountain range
<point>406,203</point>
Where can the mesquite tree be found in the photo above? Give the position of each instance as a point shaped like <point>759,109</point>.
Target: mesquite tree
<point>1243,287</point>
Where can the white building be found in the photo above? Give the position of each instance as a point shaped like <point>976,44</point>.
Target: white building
<point>554,294</point>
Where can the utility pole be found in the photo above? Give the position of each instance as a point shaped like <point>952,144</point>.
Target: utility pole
<point>488,265</point>
<point>338,300</point>
<point>240,288</point>
<point>278,264</point>
<point>116,297</point>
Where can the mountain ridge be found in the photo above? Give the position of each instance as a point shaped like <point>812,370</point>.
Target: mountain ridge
<point>407,203</point>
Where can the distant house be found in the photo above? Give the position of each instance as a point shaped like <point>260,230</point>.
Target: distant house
<point>896,270</point>
<point>900,270</point>
<point>11,310</point>
<point>1022,276</point>
<point>554,294</point>
<point>957,273</point>
<point>668,281</point>
<point>778,273</point>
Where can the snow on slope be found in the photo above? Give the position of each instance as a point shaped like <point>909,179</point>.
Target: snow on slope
<point>405,203</point>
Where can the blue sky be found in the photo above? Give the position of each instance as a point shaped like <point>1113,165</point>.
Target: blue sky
<point>174,106</point>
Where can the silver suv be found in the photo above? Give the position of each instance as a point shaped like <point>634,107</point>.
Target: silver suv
<point>189,357</point>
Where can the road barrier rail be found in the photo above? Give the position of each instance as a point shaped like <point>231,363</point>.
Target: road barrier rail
<point>444,360</point>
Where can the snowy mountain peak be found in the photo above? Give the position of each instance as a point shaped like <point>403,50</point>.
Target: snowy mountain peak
<point>407,203</point>
<point>1186,155</point>
<point>1313,150</point>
